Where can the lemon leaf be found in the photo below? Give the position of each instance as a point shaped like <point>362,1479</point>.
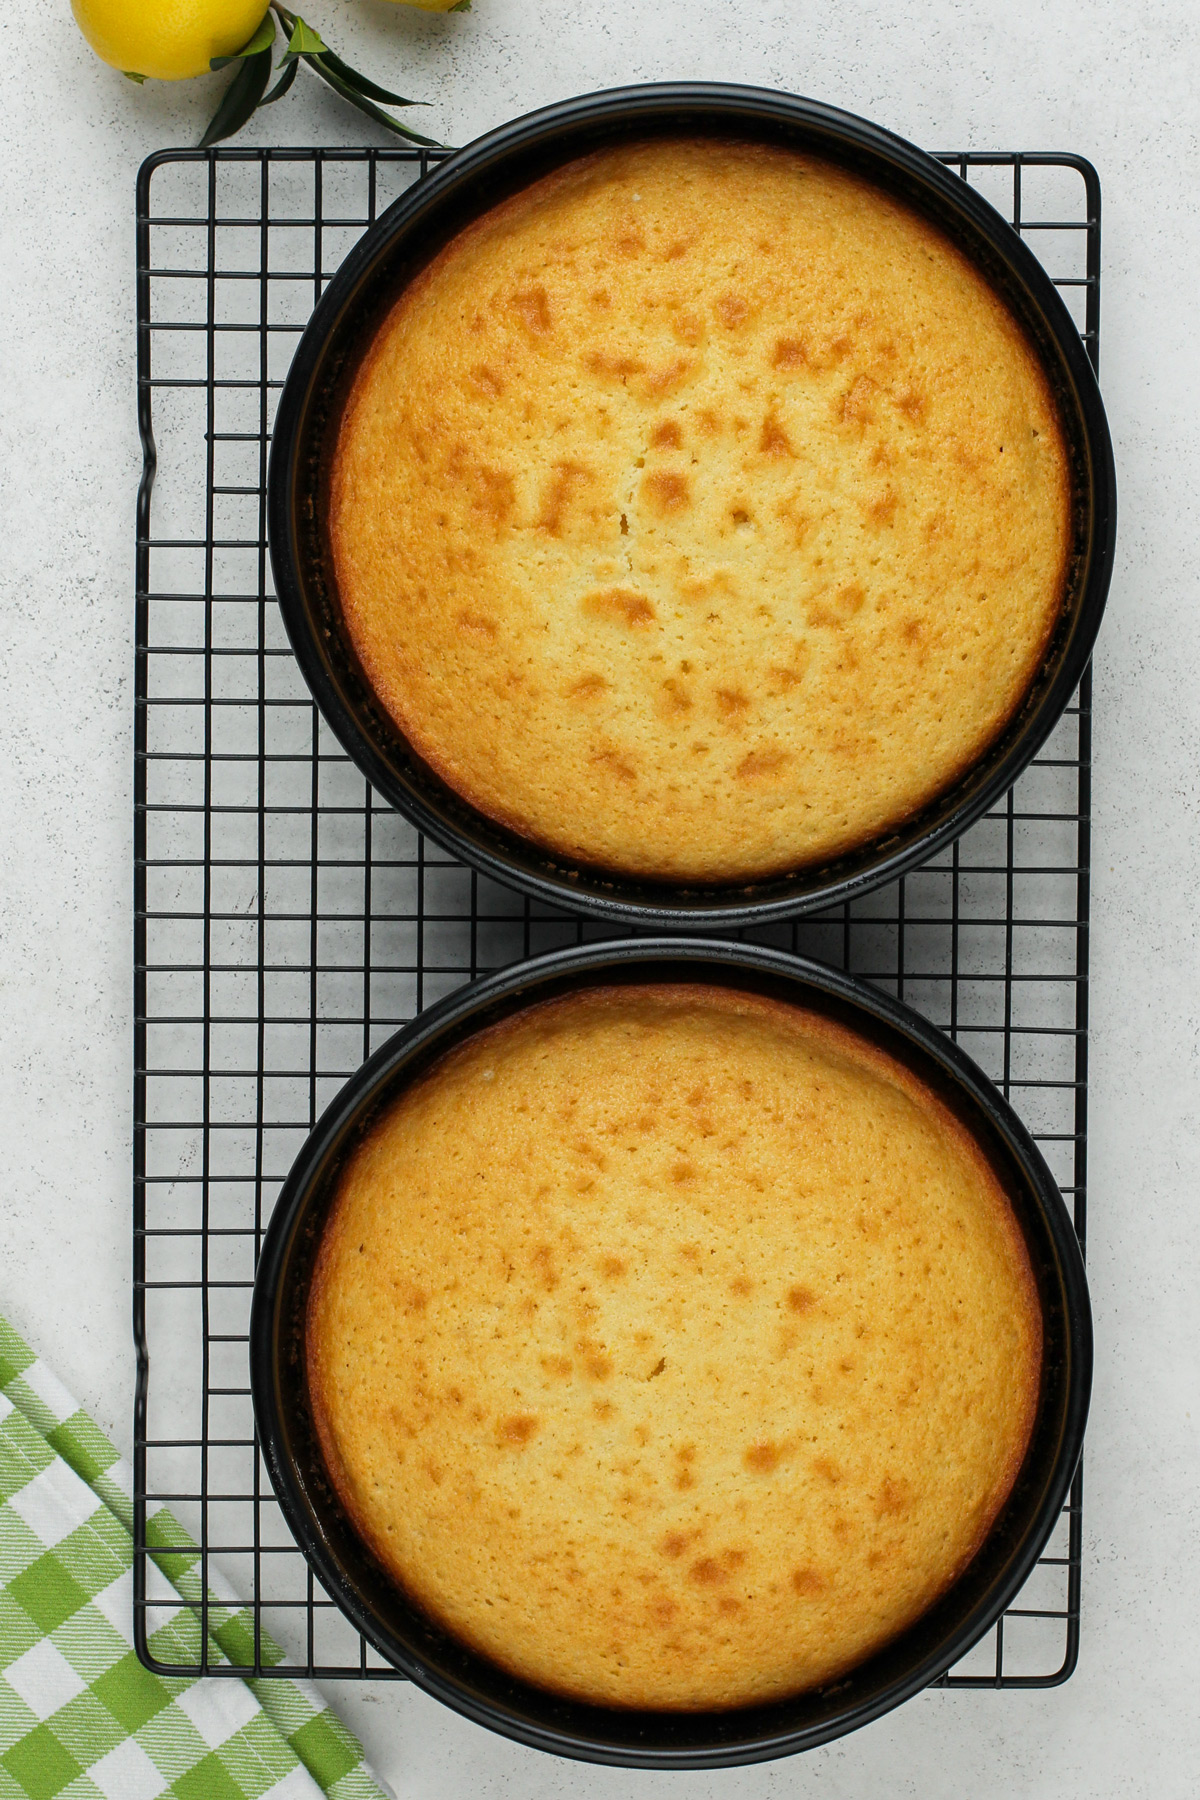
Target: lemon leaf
<point>263,38</point>
<point>132,75</point>
<point>330,75</point>
<point>239,99</point>
<point>304,41</point>
<point>460,6</point>
<point>369,89</point>
<point>283,84</point>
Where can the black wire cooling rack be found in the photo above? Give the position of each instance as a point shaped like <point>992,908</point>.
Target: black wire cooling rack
<point>287,920</point>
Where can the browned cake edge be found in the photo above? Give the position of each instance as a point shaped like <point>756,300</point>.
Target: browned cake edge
<point>810,1025</point>
<point>443,762</point>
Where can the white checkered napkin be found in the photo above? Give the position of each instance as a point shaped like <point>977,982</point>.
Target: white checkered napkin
<point>80,1717</point>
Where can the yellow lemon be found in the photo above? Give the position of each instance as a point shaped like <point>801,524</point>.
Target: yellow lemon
<point>169,39</point>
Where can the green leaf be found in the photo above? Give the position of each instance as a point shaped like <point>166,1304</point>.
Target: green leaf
<point>240,99</point>
<point>283,84</point>
<point>263,38</point>
<point>334,80</point>
<point>304,41</point>
<point>132,75</point>
<point>462,6</point>
<point>369,89</point>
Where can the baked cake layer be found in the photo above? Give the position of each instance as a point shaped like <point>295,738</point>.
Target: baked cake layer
<point>700,513</point>
<point>672,1346</point>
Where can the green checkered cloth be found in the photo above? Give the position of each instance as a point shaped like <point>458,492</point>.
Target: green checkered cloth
<point>80,1718</point>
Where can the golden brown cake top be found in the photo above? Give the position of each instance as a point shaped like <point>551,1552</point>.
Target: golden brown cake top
<point>672,1346</point>
<point>700,512</point>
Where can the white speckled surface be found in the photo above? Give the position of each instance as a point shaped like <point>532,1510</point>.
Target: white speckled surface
<point>1118,81</point>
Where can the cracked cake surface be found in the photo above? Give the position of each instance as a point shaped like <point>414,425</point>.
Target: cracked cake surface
<point>672,1346</point>
<point>700,512</point>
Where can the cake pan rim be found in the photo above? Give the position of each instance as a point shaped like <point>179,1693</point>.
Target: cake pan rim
<point>455,1017</point>
<point>414,789</point>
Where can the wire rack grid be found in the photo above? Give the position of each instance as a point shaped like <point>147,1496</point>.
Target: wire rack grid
<point>287,920</point>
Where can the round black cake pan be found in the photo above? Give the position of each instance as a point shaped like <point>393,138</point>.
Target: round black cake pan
<point>411,233</point>
<point>462,1679</point>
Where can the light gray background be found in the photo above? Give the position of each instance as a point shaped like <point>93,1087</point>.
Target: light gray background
<point>1119,82</point>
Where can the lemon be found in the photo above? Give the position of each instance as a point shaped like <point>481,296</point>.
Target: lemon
<point>169,39</point>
